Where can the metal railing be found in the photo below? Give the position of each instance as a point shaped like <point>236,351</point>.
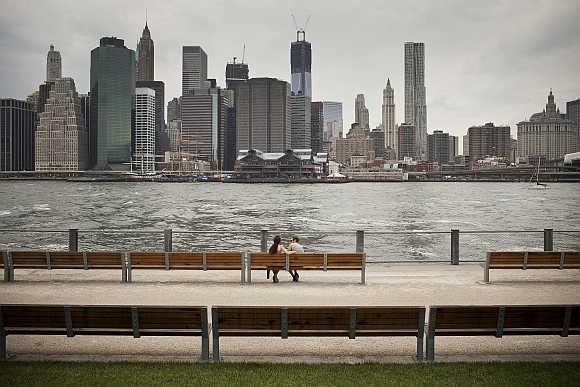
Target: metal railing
<point>453,246</point>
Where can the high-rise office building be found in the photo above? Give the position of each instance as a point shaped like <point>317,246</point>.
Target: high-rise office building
<point>438,147</point>
<point>145,57</point>
<point>144,130</point>
<point>415,100</point>
<point>174,135</point>
<point>173,110</point>
<point>388,121</point>
<point>489,140</point>
<point>361,113</point>
<point>333,124</point>
<point>85,101</point>
<point>32,99</point>
<point>316,126</point>
<point>53,65</point>
<point>357,143</point>
<point>300,107</point>
<point>263,115</point>
<point>453,147</point>
<point>159,88</point>
<point>547,134</point>
<point>61,139</point>
<point>236,72</point>
<point>112,92</point>
<point>466,144</point>
<point>573,114</point>
<point>406,141</point>
<point>17,120</point>
<point>193,70</point>
<point>378,137</point>
<point>204,124</point>
<point>300,65</point>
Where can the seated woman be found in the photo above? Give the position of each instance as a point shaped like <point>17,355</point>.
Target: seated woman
<point>277,248</point>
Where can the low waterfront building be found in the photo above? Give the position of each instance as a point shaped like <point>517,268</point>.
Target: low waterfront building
<point>547,134</point>
<point>61,139</point>
<point>17,120</point>
<point>291,164</point>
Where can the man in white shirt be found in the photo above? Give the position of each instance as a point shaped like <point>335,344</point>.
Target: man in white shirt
<point>298,248</point>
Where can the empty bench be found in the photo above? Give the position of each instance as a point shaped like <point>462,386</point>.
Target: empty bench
<point>497,321</point>
<point>530,260</point>
<point>351,322</point>
<point>215,260</point>
<point>54,260</point>
<point>308,261</point>
<point>133,321</point>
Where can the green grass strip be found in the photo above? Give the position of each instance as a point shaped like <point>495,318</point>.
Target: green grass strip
<point>251,374</point>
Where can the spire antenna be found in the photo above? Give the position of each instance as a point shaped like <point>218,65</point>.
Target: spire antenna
<point>146,17</point>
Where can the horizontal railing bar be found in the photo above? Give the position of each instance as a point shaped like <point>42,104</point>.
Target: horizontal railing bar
<point>128,231</point>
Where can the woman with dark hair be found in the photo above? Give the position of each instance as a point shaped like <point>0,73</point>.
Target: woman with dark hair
<point>276,248</point>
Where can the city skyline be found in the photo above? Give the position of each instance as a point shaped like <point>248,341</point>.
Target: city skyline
<point>520,64</point>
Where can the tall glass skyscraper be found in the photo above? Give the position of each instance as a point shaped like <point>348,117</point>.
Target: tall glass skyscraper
<point>300,63</point>
<point>193,70</point>
<point>415,102</point>
<point>112,91</point>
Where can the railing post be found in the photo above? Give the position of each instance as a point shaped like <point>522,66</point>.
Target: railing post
<point>73,240</point>
<point>168,240</point>
<point>360,241</point>
<point>454,247</point>
<point>548,239</point>
<point>264,241</point>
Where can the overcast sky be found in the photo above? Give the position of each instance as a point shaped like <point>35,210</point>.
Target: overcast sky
<point>485,60</point>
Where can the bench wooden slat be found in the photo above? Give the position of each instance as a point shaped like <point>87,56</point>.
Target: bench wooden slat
<point>544,259</point>
<point>572,259</point>
<point>29,259</point>
<point>104,260</point>
<point>66,260</point>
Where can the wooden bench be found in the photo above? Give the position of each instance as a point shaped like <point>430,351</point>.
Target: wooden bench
<point>318,321</point>
<point>54,260</point>
<point>308,261</point>
<point>106,320</point>
<point>562,320</point>
<point>530,260</point>
<point>211,260</point>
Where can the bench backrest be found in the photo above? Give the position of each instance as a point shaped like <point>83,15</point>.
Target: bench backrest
<point>29,259</point>
<point>103,319</point>
<point>65,260</point>
<point>504,320</point>
<point>318,321</point>
<point>533,259</point>
<point>211,260</point>
<point>308,260</point>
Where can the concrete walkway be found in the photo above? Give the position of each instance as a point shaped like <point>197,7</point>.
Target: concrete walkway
<point>397,284</point>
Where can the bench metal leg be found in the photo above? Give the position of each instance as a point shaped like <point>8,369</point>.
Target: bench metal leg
<point>420,335</point>
<point>2,347</point>
<point>6,274</point>
<point>431,334</point>
<point>486,270</point>
<point>204,335</point>
<point>363,272</point>
<point>216,334</point>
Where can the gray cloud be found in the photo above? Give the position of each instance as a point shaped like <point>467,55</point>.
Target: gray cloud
<point>485,61</point>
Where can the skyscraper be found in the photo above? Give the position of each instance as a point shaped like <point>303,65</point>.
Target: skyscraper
<point>193,70</point>
<point>53,65</point>
<point>316,126</point>
<point>145,57</point>
<point>61,139</point>
<point>112,91</point>
<point>388,121</point>
<point>144,130</point>
<point>573,114</point>
<point>300,107</point>
<point>174,110</point>
<point>236,72</point>
<point>406,141</point>
<point>333,123</point>
<point>489,140</point>
<point>415,102</point>
<point>300,65</point>
<point>263,115</point>
<point>361,113</point>
<point>17,119</point>
<point>159,88</point>
<point>438,147</point>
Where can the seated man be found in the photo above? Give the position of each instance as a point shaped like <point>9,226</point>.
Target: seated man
<point>298,248</point>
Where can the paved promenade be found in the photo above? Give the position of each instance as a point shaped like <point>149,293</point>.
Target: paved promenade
<point>397,284</point>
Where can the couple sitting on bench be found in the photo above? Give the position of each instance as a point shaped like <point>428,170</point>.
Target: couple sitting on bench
<point>278,248</point>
